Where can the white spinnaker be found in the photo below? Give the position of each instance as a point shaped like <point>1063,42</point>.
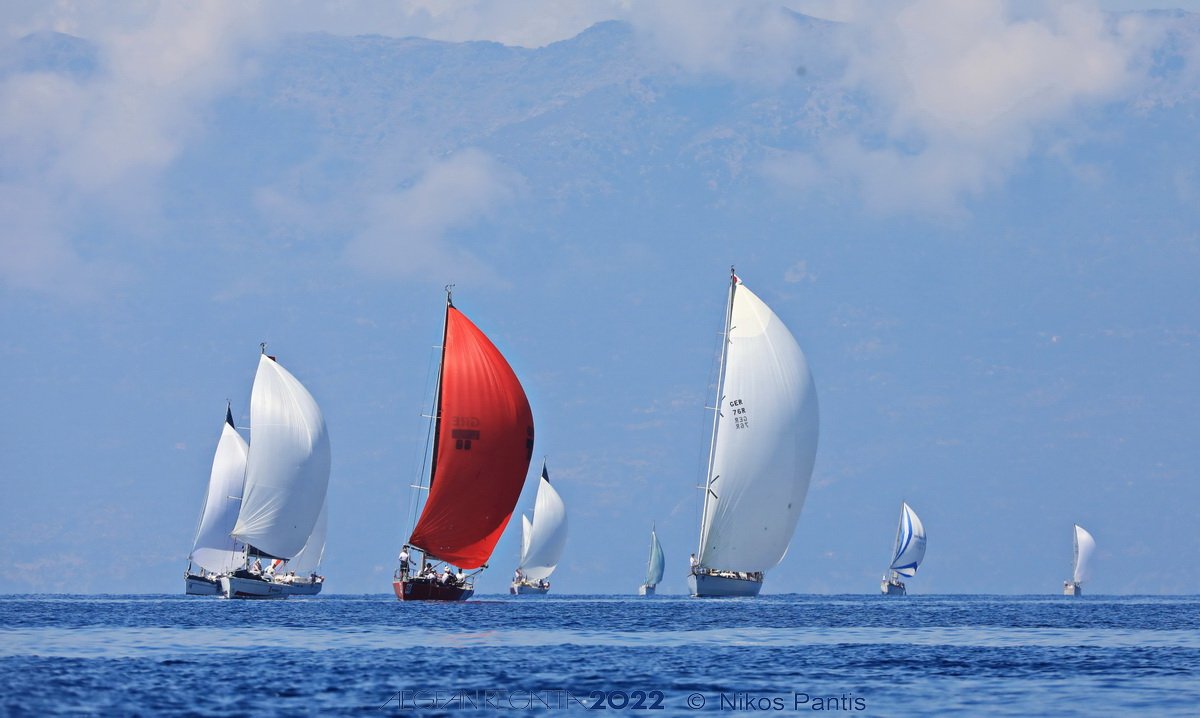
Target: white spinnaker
<point>214,549</point>
<point>766,442</point>
<point>547,534</point>
<point>310,556</point>
<point>656,564</point>
<point>910,545</point>
<point>1084,546</point>
<point>287,470</point>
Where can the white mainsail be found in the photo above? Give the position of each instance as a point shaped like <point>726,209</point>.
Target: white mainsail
<point>310,556</point>
<point>764,445</point>
<point>1084,545</point>
<point>214,549</point>
<point>656,563</point>
<point>543,539</point>
<point>287,470</point>
<point>910,543</point>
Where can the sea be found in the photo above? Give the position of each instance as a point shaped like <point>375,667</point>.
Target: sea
<point>918,655</point>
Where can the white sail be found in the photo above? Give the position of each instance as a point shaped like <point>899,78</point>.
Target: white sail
<point>1084,546</point>
<point>214,549</point>
<point>310,556</point>
<point>287,470</point>
<point>526,532</point>
<point>547,533</point>
<point>765,442</point>
<point>910,543</point>
<point>656,563</point>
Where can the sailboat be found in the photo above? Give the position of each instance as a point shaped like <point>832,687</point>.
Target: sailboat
<point>1084,546</point>
<point>214,551</point>
<point>542,541</point>
<point>907,553</point>
<point>764,443</point>
<point>654,567</point>
<point>482,443</point>
<point>287,475</point>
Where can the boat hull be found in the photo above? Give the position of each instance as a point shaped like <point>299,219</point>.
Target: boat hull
<point>251,588</point>
<point>528,589</point>
<point>201,586</point>
<point>430,590</point>
<point>1072,589</point>
<point>308,588</point>
<point>893,588</point>
<point>711,585</point>
<point>645,590</point>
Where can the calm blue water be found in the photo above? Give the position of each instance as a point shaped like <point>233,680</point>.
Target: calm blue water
<point>781,655</point>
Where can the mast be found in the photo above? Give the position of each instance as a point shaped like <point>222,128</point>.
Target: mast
<point>712,446</point>
<point>437,414</point>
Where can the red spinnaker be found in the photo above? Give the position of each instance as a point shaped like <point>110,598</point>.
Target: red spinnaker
<point>482,451</point>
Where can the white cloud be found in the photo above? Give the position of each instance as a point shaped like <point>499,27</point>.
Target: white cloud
<point>961,92</point>
<point>755,42</point>
<point>80,148</point>
<point>798,272</point>
<point>527,24</point>
<point>406,231</point>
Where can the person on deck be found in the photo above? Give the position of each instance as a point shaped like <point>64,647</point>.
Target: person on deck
<point>446,575</point>
<point>404,557</point>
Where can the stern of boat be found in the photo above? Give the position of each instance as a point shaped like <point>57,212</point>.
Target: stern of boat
<point>251,588</point>
<point>724,584</point>
<point>200,585</point>
<point>423,589</point>
<point>524,588</point>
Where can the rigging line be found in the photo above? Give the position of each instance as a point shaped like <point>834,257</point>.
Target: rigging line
<point>426,400</point>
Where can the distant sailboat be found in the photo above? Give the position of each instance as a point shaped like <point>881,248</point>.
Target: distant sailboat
<point>214,551</point>
<point>654,567</point>
<point>287,475</point>
<point>764,443</point>
<point>908,552</point>
<point>482,443</point>
<point>1084,546</point>
<point>542,541</point>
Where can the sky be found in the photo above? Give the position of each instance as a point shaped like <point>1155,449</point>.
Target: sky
<point>980,222</point>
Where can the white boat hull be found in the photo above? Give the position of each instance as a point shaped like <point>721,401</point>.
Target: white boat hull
<point>711,585</point>
<point>255,588</point>
<point>307,588</point>
<point>645,590</point>
<point>527,589</point>
<point>200,586</point>
<point>893,588</point>
<point>1072,589</point>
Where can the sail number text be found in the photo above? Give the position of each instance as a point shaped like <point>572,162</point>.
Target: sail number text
<point>738,410</point>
